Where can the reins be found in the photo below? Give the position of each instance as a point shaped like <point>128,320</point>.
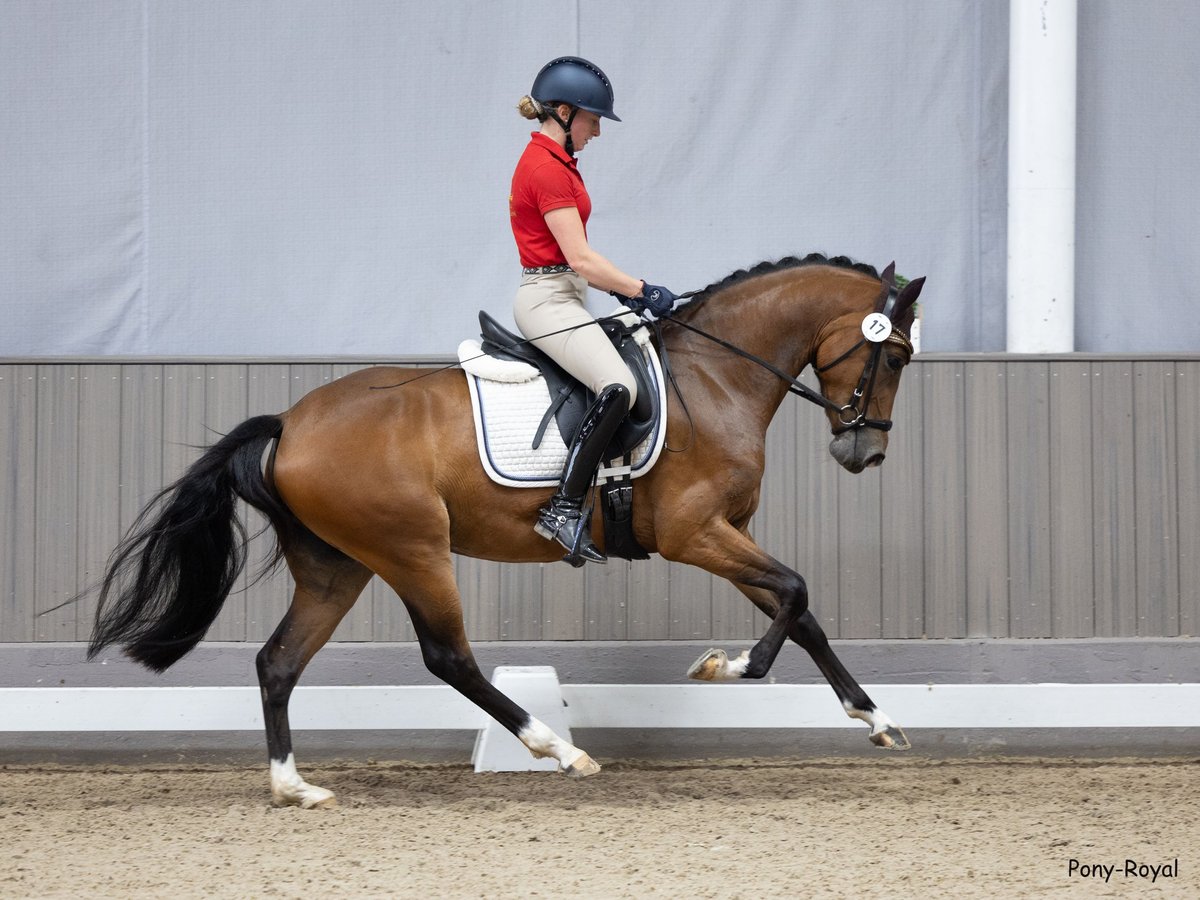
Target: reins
<point>794,385</point>
<point>851,415</point>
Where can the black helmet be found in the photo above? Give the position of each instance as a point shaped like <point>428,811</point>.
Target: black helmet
<point>576,81</point>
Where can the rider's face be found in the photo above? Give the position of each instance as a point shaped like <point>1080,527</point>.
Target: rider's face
<point>585,127</point>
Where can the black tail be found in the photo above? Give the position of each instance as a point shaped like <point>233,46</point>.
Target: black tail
<point>168,578</point>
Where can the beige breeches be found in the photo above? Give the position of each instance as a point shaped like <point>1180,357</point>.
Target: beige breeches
<point>547,304</point>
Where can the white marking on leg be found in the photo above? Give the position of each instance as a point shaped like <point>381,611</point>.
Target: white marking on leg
<point>884,732</point>
<point>876,718</point>
<point>289,789</point>
<point>736,668</point>
<point>541,742</point>
<point>715,665</point>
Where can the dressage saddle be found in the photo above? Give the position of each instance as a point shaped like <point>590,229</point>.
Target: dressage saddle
<point>569,399</point>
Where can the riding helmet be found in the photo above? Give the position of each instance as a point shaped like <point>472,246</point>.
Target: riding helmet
<point>569,79</point>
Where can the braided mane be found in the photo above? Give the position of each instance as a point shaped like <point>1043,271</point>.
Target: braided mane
<point>788,262</point>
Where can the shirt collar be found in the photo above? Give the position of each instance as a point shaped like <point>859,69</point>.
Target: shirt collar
<point>553,147</point>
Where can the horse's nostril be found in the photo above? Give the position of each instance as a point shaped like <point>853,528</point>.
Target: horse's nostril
<point>876,460</point>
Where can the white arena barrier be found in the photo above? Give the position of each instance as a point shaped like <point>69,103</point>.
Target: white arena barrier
<point>567,706</point>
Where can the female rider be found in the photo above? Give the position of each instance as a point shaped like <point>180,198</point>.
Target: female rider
<point>549,207</point>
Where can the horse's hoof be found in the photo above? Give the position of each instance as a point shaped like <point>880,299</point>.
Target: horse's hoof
<point>309,797</point>
<point>709,667</point>
<point>582,767</point>
<point>891,738</point>
<point>715,665</point>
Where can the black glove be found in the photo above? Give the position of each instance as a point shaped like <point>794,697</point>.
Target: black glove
<point>634,303</point>
<point>657,299</point>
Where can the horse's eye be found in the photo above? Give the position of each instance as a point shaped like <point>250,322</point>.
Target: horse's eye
<point>895,363</point>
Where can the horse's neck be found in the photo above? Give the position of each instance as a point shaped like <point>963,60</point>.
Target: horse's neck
<point>778,321</point>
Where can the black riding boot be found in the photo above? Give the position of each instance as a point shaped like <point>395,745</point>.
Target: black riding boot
<point>562,520</point>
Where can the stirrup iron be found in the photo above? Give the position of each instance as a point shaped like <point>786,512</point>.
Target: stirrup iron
<point>570,525</point>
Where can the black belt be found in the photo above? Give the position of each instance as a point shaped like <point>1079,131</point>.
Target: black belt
<point>547,270</point>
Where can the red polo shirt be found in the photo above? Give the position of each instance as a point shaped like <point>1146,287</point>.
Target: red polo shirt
<point>546,178</point>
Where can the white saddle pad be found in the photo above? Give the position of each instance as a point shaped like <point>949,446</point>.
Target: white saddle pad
<point>508,400</point>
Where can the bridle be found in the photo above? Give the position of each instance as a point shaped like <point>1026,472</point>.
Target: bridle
<point>878,325</point>
<point>854,414</point>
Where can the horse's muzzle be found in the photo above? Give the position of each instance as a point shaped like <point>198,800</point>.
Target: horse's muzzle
<point>863,448</point>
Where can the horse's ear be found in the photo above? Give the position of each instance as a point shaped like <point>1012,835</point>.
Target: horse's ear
<point>907,297</point>
<point>888,277</point>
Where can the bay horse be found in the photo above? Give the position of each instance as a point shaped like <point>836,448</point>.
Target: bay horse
<point>388,481</point>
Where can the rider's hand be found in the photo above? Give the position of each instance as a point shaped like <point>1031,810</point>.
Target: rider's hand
<point>657,299</point>
<point>634,303</point>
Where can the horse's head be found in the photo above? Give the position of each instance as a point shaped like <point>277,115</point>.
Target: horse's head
<point>859,360</point>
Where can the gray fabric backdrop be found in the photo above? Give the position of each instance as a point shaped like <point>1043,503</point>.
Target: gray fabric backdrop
<point>317,178</point>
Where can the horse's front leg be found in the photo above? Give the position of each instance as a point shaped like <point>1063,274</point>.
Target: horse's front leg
<point>885,733</point>
<point>782,594</point>
<point>733,554</point>
<point>715,665</point>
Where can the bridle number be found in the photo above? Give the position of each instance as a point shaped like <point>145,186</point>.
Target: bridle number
<point>877,328</point>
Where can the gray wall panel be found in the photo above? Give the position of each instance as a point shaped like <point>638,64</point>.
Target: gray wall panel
<point>142,435</point>
<point>478,585</point>
<point>733,616</point>
<point>1156,498</point>
<point>649,609</point>
<point>577,603</point>
<point>98,484</point>
<point>689,593</point>
<point>1022,497</point>
<point>1070,458</point>
<point>985,416</point>
<point>945,539</point>
<point>1028,500</point>
<point>902,516</point>
<point>1187,440</point>
<point>521,602</point>
<point>55,533</point>
<point>18,454</point>
<point>1113,541</point>
<point>860,555</point>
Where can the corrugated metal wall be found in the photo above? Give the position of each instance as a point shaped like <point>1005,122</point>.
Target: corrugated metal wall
<point>1022,497</point>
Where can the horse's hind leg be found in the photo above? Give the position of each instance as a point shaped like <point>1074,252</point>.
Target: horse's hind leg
<point>327,584</point>
<point>431,595</point>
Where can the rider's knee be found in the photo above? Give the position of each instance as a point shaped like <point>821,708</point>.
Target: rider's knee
<point>628,383</point>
